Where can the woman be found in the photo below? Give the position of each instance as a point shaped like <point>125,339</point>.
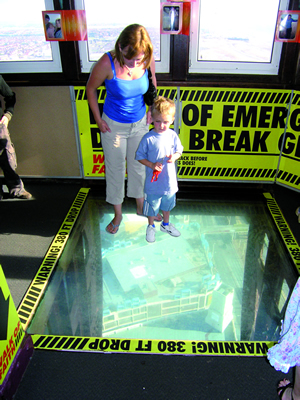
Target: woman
<point>58,31</point>
<point>124,121</point>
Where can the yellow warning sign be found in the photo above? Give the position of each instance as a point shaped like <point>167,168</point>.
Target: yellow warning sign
<point>40,281</point>
<point>289,169</point>
<point>11,331</point>
<point>284,230</point>
<point>228,134</point>
<point>145,346</point>
<point>232,134</point>
<point>89,134</point>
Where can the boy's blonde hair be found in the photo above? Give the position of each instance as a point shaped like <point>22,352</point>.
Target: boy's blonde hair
<point>163,105</point>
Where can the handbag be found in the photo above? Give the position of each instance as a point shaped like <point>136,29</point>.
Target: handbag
<point>151,93</point>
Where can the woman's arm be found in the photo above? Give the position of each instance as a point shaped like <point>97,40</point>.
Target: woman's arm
<point>152,67</point>
<point>100,72</point>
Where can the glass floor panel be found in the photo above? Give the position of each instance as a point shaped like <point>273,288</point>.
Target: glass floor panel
<point>227,277</point>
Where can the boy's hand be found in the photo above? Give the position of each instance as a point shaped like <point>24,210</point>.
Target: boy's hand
<point>157,166</point>
<point>171,158</point>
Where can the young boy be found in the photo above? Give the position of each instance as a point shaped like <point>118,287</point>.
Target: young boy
<point>158,151</point>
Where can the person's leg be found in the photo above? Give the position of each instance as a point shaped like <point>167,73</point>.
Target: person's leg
<point>1,187</point>
<point>289,391</point>
<point>8,164</point>
<point>296,390</point>
<point>151,220</point>
<point>12,179</point>
<point>166,216</point>
<point>150,209</point>
<point>168,202</point>
<point>113,226</point>
<point>136,172</point>
<point>139,205</point>
<point>114,148</point>
<point>3,142</point>
<point>2,181</point>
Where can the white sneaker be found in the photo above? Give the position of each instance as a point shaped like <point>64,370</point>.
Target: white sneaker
<point>170,229</point>
<point>150,234</point>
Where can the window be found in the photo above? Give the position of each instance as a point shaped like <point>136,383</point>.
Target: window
<point>104,24</point>
<point>233,37</point>
<point>22,40</point>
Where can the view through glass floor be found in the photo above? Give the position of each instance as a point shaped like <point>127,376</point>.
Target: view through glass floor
<point>227,277</point>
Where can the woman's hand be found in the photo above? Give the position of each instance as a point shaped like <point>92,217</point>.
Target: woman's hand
<point>103,126</point>
<point>100,72</point>
<point>149,117</point>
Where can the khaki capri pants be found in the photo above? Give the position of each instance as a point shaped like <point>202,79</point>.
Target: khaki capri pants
<point>119,146</point>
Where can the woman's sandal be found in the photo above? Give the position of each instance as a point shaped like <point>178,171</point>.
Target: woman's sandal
<point>114,227</point>
<point>282,389</point>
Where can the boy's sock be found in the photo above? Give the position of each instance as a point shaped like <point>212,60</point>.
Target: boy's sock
<point>153,226</point>
<point>165,223</point>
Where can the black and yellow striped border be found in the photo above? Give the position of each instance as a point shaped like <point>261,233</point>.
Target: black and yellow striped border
<point>142,346</point>
<point>145,346</point>
<point>80,93</point>
<point>227,172</point>
<point>38,286</point>
<point>284,230</point>
<point>236,95</point>
<point>211,95</point>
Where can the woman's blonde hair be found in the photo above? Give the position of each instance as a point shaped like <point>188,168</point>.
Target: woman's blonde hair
<point>137,39</point>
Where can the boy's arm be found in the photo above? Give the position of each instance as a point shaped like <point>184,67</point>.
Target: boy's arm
<point>178,150</point>
<point>154,166</point>
<point>174,157</point>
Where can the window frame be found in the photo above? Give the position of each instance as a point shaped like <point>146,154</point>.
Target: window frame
<point>288,76</point>
<point>229,67</point>
<point>46,66</point>
<point>161,66</point>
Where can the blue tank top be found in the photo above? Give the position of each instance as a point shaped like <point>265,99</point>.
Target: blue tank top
<point>124,100</point>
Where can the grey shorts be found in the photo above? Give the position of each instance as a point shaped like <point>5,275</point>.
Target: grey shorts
<point>119,147</point>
